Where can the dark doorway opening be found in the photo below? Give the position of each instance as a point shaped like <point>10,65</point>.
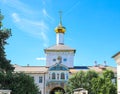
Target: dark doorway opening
<point>57,89</point>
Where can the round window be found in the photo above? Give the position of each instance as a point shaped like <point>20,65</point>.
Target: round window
<point>54,59</point>
<point>64,59</point>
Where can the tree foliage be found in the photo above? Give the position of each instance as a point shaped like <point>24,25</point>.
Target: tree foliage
<point>5,65</point>
<point>93,82</point>
<point>4,62</point>
<point>19,83</point>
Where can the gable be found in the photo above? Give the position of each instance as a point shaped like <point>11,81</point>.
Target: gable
<point>58,67</point>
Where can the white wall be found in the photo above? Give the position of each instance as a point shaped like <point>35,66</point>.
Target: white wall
<point>117,59</point>
<point>49,75</point>
<point>65,55</point>
<point>41,86</point>
<point>59,38</point>
<point>118,78</point>
<point>5,91</point>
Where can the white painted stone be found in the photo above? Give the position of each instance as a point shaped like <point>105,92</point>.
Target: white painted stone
<point>64,55</point>
<point>117,59</point>
<point>5,91</point>
<point>60,38</point>
<point>41,86</point>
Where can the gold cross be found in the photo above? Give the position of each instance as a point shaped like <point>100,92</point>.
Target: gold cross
<point>60,13</point>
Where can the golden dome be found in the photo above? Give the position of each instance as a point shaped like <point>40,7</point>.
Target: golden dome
<point>60,29</point>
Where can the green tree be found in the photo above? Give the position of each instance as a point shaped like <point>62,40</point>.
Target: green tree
<point>94,83</point>
<point>19,83</point>
<point>80,80</point>
<point>108,74</point>
<point>109,85</point>
<point>5,33</point>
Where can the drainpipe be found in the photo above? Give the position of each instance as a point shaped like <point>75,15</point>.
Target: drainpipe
<point>44,84</point>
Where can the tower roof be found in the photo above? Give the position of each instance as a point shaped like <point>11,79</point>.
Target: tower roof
<point>60,28</point>
<point>118,53</point>
<point>60,47</point>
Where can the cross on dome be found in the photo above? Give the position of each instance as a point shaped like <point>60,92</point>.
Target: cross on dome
<point>60,28</point>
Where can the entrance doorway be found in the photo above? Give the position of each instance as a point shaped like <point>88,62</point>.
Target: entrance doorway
<point>57,89</point>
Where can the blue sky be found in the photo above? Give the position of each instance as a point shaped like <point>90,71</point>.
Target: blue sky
<point>92,28</point>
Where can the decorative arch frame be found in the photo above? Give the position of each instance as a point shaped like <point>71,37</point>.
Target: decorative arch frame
<point>53,75</point>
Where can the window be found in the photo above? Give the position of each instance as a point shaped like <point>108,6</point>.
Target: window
<point>59,59</point>
<point>40,79</point>
<point>53,75</point>
<point>65,59</point>
<point>66,76</point>
<point>32,77</point>
<point>40,92</point>
<point>62,76</point>
<point>57,76</point>
<point>49,76</point>
<point>54,59</point>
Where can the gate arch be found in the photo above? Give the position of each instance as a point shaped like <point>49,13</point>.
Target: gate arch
<point>57,89</point>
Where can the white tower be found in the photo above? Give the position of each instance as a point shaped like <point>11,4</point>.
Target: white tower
<point>60,50</point>
<point>117,59</point>
<point>60,30</point>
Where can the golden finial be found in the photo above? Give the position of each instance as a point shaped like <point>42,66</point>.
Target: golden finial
<point>60,28</point>
<point>60,13</point>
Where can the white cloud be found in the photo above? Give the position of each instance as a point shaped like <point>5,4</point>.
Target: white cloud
<point>18,5</point>
<point>37,29</point>
<point>45,38</point>
<point>41,58</point>
<point>27,19</point>
<point>45,13</point>
<point>72,8</point>
<point>16,17</point>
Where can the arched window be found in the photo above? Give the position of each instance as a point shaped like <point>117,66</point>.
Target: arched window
<point>40,79</point>
<point>49,76</point>
<point>59,59</point>
<point>53,75</point>
<point>66,76</point>
<point>57,76</point>
<point>40,92</point>
<point>62,76</point>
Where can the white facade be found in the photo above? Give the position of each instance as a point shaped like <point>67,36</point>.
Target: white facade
<point>117,59</point>
<point>40,80</point>
<point>80,91</point>
<point>53,76</point>
<point>67,58</point>
<point>65,53</point>
<point>59,66</point>
<point>47,79</point>
<point>60,38</point>
<point>118,78</point>
<point>5,91</point>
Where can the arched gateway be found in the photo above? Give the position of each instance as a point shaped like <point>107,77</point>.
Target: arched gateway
<point>57,89</point>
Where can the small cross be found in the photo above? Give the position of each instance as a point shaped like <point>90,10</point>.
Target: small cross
<point>60,13</point>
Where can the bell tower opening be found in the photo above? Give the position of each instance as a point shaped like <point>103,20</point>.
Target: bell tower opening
<point>57,89</point>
